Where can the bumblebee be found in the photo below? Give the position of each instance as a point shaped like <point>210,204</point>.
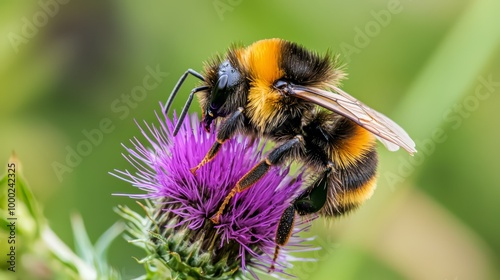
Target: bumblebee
<point>280,91</point>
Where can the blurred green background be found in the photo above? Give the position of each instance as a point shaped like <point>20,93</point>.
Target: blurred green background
<point>70,70</point>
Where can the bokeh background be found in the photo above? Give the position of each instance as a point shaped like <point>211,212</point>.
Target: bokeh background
<point>431,66</point>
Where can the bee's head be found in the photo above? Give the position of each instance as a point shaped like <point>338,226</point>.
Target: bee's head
<point>228,78</point>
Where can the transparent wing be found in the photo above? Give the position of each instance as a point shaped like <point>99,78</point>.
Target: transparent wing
<point>338,101</point>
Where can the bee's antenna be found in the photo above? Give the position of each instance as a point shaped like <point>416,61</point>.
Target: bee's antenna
<point>186,107</point>
<point>178,86</point>
<point>190,98</point>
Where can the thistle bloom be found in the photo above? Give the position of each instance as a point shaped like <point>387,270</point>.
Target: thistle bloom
<point>180,204</point>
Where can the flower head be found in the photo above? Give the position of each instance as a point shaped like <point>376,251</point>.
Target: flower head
<point>181,203</point>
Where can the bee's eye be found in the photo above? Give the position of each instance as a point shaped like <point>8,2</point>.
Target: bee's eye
<point>219,93</point>
<point>226,69</point>
<point>229,77</point>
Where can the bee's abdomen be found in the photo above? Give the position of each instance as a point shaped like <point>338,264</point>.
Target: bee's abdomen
<point>352,149</point>
<point>353,184</point>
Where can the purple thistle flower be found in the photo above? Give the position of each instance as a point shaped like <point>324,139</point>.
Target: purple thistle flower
<point>244,238</point>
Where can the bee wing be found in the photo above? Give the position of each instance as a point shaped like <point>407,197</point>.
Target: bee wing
<point>386,130</point>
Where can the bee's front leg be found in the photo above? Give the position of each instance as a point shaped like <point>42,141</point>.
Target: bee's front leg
<point>226,131</point>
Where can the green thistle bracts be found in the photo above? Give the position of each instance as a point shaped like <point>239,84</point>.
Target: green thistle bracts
<point>173,252</point>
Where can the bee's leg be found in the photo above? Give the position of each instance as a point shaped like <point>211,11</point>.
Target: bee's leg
<point>275,157</point>
<point>283,232</point>
<point>226,131</point>
<point>314,197</point>
<point>310,201</point>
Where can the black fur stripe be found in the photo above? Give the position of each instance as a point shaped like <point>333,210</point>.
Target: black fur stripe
<point>304,67</point>
<point>358,174</point>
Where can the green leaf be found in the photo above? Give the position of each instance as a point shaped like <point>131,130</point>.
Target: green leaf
<point>103,244</point>
<point>83,246</point>
<point>24,198</point>
<point>95,256</point>
<point>89,263</point>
